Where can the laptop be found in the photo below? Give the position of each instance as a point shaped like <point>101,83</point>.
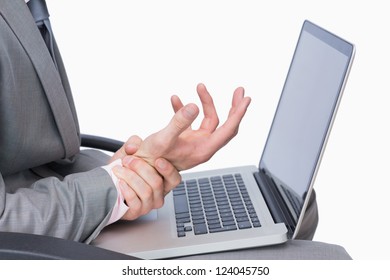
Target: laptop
<point>252,206</point>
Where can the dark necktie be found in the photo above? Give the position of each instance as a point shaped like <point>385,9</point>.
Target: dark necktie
<point>41,15</point>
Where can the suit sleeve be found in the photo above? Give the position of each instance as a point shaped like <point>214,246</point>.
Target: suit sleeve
<point>75,208</point>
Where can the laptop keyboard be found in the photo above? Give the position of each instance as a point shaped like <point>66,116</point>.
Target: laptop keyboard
<point>215,204</point>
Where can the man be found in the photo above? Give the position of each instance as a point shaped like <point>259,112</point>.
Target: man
<point>47,185</point>
<point>40,145</point>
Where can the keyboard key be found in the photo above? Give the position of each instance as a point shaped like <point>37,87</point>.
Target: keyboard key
<point>256,224</point>
<point>229,223</point>
<point>197,222</point>
<point>188,228</point>
<point>227,219</point>
<point>200,229</point>
<point>243,225</point>
<point>214,226</point>
<point>183,220</point>
<point>181,205</point>
<point>179,192</point>
<point>213,222</point>
<point>240,215</point>
<point>222,229</point>
<point>242,219</point>
<point>210,209</point>
<point>196,208</point>
<point>183,215</point>
<point>197,215</point>
<point>212,215</point>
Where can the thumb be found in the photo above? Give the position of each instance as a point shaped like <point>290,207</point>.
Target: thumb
<point>182,119</point>
<point>133,144</point>
<point>129,148</point>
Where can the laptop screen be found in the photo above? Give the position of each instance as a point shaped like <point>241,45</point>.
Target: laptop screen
<point>305,112</point>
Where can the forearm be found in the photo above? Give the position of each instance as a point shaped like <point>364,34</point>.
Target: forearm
<point>76,208</point>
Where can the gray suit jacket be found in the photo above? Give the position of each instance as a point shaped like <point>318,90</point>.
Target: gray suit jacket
<point>40,141</point>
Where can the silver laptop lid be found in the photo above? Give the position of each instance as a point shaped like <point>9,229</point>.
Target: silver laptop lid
<point>304,116</point>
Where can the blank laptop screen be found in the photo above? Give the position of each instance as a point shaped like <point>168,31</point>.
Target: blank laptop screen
<point>305,110</point>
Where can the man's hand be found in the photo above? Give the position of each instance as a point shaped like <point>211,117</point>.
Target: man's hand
<point>142,185</point>
<point>150,167</point>
<point>185,147</point>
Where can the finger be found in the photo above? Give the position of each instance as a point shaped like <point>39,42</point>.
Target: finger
<point>238,95</point>
<point>132,201</point>
<point>230,128</point>
<point>132,145</point>
<point>176,103</point>
<point>150,176</point>
<point>140,188</point>
<point>180,122</point>
<point>129,148</point>
<point>121,153</point>
<point>171,176</point>
<point>210,121</point>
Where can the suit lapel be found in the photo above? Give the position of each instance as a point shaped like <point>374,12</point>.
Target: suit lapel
<point>18,17</point>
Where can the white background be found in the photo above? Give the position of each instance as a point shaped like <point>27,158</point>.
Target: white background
<point>126,58</point>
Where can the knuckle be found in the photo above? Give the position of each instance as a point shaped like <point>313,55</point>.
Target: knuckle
<point>145,209</point>
<point>178,124</point>
<point>177,181</point>
<point>128,195</point>
<point>130,177</point>
<point>134,164</point>
<point>134,139</point>
<point>158,185</point>
<point>147,194</point>
<point>159,203</point>
<point>134,211</point>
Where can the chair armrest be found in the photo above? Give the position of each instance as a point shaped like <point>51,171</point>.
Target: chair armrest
<point>100,143</point>
<point>22,246</point>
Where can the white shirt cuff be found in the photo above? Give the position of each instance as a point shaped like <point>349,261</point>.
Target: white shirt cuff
<point>120,208</point>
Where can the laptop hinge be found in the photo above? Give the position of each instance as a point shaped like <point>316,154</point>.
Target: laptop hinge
<point>274,201</point>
